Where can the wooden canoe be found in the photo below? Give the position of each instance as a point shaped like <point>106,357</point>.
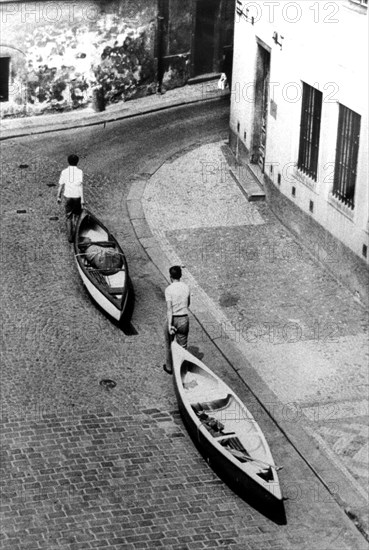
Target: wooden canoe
<point>109,289</point>
<point>225,430</point>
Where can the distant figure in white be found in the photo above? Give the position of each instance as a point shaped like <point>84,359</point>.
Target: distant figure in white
<point>223,82</point>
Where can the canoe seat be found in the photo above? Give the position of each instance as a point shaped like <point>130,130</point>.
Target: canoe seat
<point>116,290</point>
<point>107,244</point>
<point>215,405</point>
<point>104,243</point>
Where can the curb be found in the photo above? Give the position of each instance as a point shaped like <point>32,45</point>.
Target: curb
<point>103,121</point>
<point>326,471</point>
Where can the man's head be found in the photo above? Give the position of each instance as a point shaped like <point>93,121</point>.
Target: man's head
<point>73,160</point>
<point>175,272</point>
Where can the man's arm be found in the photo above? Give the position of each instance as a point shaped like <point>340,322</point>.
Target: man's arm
<point>61,186</point>
<point>82,198</point>
<point>60,190</point>
<point>171,329</point>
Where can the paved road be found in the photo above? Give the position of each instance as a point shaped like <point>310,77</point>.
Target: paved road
<point>83,467</point>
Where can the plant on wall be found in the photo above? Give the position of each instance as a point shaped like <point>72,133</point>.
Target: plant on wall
<point>124,68</point>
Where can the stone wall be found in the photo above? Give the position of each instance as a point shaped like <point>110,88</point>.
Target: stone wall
<point>60,51</point>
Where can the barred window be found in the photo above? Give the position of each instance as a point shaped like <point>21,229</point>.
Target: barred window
<point>347,151</point>
<point>310,130</point>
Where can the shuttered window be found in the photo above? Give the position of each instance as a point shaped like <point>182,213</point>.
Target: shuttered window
<point>347,151</point>
<point>310,130</point>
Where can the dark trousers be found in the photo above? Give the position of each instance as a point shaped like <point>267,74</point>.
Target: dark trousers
<point>182,324</point>
<point>73,209</point>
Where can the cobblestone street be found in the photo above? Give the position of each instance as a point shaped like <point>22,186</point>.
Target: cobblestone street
<point>86,467</point>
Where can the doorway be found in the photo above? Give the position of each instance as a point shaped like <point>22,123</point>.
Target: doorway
<point>261,106</point>
<point>206,36</point>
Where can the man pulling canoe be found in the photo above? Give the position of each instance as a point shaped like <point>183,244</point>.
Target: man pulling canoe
<point>71,179</point>
<point>177,297</point>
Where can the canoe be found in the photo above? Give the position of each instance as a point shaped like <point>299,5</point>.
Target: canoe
<point>108,287</point>
<point>224,430</point>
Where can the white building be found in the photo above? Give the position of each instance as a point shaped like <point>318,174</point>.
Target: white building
<point>299,116</point>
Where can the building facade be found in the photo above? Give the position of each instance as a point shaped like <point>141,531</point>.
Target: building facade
<point>299,117</point>
<point>53,55</point>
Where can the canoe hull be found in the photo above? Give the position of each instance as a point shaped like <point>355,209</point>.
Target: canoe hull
<point>242,482</point>
<point>114,305</point>
<point>265,497</point>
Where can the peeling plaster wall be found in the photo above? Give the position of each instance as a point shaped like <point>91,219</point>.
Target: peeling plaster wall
<point>60,51</point>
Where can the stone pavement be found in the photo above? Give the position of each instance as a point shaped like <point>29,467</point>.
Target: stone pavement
<point>84,467</point>
<point>79,118</point>
<point>297,338</point>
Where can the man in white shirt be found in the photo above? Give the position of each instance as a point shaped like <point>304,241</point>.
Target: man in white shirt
<point>177,297</point>
<point>71,179</point>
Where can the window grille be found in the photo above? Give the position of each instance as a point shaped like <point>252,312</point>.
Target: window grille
<point>310,130</point>
<point>347,151</point>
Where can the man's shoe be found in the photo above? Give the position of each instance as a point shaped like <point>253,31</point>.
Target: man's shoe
<point>167,370</point>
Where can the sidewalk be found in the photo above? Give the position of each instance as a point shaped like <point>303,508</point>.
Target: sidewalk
<point>19,127</point>
<point>282,322</point>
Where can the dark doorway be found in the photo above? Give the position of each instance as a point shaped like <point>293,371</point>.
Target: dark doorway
<point>261,106</point>
<point>4,78</point>
<point>206,36</point>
